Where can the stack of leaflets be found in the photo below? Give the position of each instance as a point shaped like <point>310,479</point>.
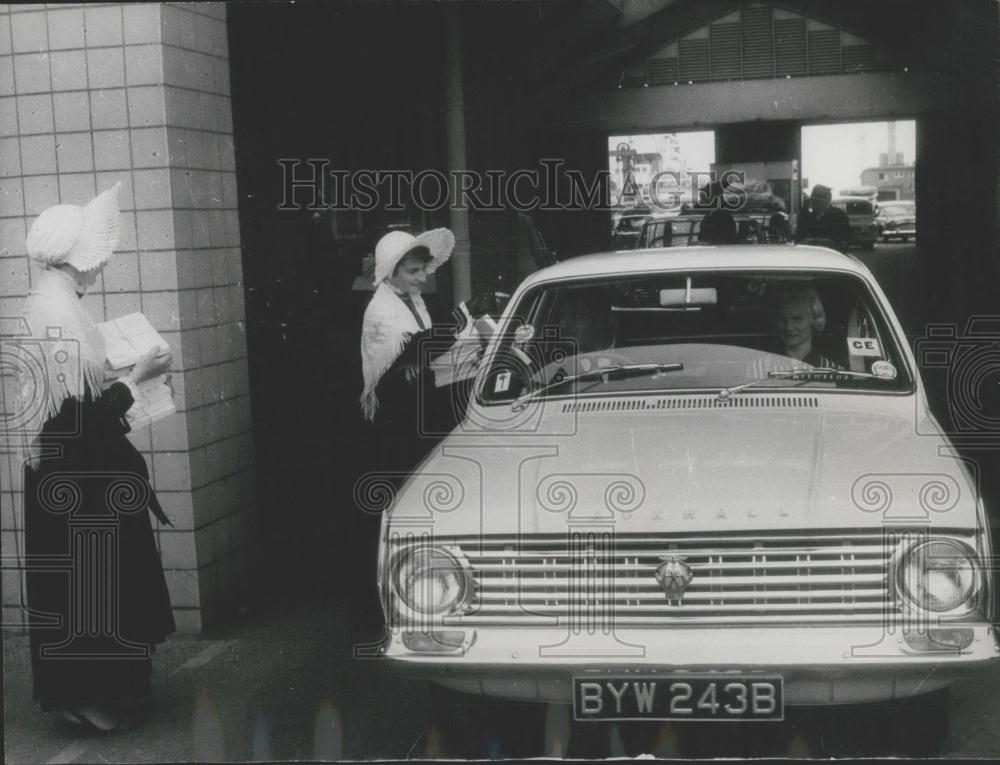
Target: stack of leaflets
<point>126,340</point>
<point>461,360</point>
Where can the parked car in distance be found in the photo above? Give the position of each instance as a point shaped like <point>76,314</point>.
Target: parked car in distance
<point>667,230</point>
<point>897,220</point>
<point>625,231</point>
<point>653,511</point>
<point>861,214</point>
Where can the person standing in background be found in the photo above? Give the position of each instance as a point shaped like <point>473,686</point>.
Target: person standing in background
<point>821,220</point>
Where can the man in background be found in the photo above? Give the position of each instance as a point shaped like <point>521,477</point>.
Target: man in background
<point>821,220</point>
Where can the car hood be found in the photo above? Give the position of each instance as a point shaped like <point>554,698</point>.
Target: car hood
<point>703,469</point>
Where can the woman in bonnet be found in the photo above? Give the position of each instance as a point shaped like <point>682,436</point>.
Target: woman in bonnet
<point>397,380</point>
<point>96,592</point>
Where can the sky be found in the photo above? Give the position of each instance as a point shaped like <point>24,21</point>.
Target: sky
<point>835,155</point>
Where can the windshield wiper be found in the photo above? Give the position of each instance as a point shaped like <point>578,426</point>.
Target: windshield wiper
<point>617,372</point>
<point>805,373</point>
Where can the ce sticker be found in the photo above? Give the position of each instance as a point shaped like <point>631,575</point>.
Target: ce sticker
<point>863,346</point>
<point>884,370</point>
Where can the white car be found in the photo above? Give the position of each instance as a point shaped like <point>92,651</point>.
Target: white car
<point>653,511</point>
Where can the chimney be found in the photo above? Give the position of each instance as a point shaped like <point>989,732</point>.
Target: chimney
<point>891,151</point>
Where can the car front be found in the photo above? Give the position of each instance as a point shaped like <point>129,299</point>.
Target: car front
<point>897,220</point>
<point>657,506</point>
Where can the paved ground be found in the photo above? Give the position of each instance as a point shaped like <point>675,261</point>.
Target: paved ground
<point>286,687</point>
<point>279,686</point>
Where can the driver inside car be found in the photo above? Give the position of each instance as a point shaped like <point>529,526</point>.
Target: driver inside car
<point>585,320</point>
<point>798,316</point>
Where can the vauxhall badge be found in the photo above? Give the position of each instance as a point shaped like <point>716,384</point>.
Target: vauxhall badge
<point>673,575</point>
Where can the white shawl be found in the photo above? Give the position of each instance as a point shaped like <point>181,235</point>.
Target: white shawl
<point>388,324</point>
<point>62,357</point>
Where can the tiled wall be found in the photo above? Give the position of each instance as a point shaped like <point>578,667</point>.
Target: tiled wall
<point>91,95</point>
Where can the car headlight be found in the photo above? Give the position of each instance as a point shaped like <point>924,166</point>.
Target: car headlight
<point>432,581</point>
<point>939,575</point>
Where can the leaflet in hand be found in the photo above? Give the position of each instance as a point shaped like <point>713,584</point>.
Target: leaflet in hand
<point>126,340</point>
<point>129,338</point>
<point>461,360</point>
<point>153,402</point>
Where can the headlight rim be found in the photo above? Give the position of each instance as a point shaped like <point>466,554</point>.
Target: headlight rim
<point>463,570</point>
<point>911,602</point>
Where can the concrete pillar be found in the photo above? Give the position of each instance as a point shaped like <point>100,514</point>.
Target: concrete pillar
<point>139,93</point>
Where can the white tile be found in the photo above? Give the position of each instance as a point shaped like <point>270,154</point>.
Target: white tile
<point>31,73</point>
<point>66,28</point>
<point>34,114</point>
<point>69,70</point>
<point>28,32</point>
<point>104,25</point>
<point>142,23</point>
<point>72,111</point>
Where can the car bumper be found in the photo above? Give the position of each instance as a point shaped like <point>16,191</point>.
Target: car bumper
<point>820,665</point>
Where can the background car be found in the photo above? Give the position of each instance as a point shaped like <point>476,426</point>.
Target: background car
<point>668,230</point>
<point>861,214</point>
<point>625,231</point>
<point>897,220</point>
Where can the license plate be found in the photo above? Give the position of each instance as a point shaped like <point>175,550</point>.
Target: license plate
<point>684,697</point>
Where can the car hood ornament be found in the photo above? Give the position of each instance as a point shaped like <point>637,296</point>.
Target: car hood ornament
<point>673,575</point>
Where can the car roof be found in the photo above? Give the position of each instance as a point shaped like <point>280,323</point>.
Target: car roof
<point>749,257</point>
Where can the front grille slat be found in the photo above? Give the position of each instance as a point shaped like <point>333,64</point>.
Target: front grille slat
<point>557,567</point>
<point>687,608</point>
<point>723,581</point>
<point>653,618</point>
<point>654,595</point>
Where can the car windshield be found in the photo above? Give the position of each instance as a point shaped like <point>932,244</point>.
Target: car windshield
<point>713,330</point>
<point>896,209</point>
<point>854,207</point>
<point>631,222</point>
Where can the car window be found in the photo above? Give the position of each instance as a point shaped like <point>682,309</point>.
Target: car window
<point>855,207</point>
<point>722,329</point>
<point>631,223</point>
<point>896,209</point>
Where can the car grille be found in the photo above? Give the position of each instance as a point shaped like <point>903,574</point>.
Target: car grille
<point>593,578</point>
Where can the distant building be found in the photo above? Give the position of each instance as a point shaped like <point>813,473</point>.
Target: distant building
<point>894,180</point>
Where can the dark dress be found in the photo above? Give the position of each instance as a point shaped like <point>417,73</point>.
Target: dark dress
<point>414,416</point>
<point>96,591</point>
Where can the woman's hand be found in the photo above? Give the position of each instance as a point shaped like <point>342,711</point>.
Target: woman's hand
<point>411,372</point>
<point>150,366</point>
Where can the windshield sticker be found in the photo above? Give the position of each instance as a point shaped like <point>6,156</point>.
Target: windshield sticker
<point>863,346</point>
<point>502,384</point>
<point>524,333</point>
<point>884,370</point>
